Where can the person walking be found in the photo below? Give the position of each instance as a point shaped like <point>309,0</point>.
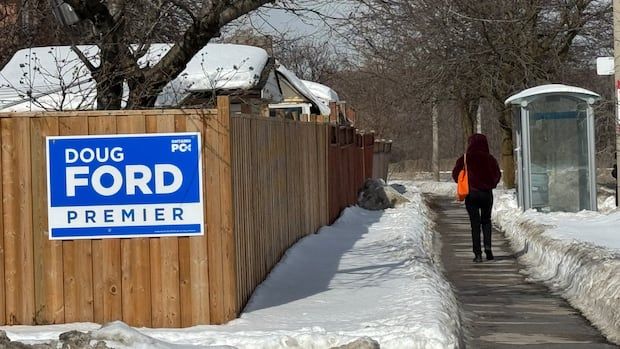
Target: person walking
<point>484,174</point>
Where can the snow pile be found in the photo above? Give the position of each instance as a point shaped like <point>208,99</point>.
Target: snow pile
<point>436,188</point>
<point>575,254</point>
<point>372,274</point>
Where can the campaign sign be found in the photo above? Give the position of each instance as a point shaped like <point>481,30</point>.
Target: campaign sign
<point>119,186</point>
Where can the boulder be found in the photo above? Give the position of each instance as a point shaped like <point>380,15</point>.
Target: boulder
<point>376,195</point>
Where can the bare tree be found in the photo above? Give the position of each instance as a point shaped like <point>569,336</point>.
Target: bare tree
<point>310,58</point>
<point>490,49</point>
<point>25,23</point>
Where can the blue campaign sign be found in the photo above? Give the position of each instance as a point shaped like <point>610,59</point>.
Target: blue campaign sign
<point>134,185</point>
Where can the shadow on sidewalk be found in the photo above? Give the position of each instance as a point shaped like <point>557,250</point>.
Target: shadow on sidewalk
<point>309,266</point>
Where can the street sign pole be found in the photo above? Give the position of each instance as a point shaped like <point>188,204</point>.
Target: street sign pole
<point>616,16</point>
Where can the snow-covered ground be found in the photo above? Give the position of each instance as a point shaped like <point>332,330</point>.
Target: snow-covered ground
<point>574,254</point>
<point>371,274</point>
<point>377,275</point>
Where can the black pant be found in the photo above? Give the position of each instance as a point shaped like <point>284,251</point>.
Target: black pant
<point>479,205</point>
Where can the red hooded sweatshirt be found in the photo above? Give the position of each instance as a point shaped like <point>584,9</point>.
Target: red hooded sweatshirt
<point>482,168</point>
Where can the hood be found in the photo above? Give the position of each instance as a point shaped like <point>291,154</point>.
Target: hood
<point>478,143</point>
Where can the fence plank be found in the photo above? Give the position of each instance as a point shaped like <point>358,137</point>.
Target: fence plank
<point>164,253</point>
<point>227,212</point>
<point>77,254</point>
<point>48,268</point>
<point>214,221</point>
<point>3,171</point>
<point>107,296</point>
<point>199,255</point>
<point>135,255</point>
<point>17,216</point>
<point>185,281</point>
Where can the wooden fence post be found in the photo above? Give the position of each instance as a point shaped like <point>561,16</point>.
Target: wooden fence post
<point>231,307</point>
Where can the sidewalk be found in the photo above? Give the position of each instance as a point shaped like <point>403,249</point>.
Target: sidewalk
<point>500,309</point>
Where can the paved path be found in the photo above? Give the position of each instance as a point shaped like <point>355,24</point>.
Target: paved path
<point>501,309</point>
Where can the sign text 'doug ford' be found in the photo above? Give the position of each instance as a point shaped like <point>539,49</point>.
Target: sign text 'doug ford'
<point>124,186</point>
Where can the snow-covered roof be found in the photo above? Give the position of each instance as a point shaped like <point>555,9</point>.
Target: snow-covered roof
<point>324,93</point>
<point>303,89</point>
<point>55,75</point>
<point>531,93</point>
<point>57,79</point>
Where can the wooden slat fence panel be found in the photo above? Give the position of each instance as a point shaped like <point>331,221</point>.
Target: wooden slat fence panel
<point>77,254</point>
<point>229,287</point>
<point>17,222</point>
<point>164,256</point>
<point>48,260</point>
<point>135,254</point>
<point>107,275</point>
<point>266,184</point>
<point>279,167</point>
<point>381,158</point>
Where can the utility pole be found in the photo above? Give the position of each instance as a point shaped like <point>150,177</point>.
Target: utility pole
<point>435,122</point>
<point>479,117</point>
<point>616,14</point>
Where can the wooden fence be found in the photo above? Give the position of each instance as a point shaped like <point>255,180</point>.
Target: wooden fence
<point>381,159</point>
<point>155,282</point>
<point>267,183</point>
<point>280,191</point>
<point>350,164</point>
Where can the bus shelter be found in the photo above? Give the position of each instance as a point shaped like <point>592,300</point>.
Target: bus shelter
<point>554,134</point>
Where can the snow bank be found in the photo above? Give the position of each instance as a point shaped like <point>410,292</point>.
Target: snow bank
<point>436,188</point>
<point>371,274</point>
<point>576,255</point>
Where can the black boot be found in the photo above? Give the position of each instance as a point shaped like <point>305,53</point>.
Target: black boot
<point>489,254</point>
<point>478,258</point>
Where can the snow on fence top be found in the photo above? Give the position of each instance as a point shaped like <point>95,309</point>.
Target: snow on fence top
<point>54,78</point>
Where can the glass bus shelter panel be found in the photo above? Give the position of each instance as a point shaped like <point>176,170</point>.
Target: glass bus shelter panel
<point>559,154</point>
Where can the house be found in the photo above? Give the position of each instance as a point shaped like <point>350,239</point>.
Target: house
<point>298,101</point>
<point>54,78</point>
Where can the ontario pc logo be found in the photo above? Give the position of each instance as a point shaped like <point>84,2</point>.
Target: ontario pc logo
<point>181,145</point>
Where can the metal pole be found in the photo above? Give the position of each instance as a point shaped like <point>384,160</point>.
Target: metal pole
<point>435,117</point>
<point>479,117</point>
<point>616,13</point>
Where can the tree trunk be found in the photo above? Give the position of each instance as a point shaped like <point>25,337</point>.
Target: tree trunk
<point>507,160</point>
<point>435,116</point>
<point>468,118</point>
<point>109,81</point>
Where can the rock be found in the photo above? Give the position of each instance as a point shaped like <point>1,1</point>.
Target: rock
<point>360,343</point>
<point>75,340</point>
<point>4,339</point>
<point>395,197</point>
<point>376,195</point>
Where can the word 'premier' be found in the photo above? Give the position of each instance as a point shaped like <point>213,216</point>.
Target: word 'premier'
<point>125,215</point>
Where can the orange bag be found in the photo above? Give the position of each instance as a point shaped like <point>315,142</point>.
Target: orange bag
<point>462,185</point>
